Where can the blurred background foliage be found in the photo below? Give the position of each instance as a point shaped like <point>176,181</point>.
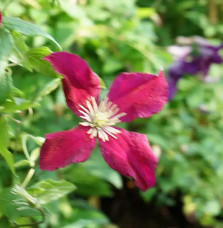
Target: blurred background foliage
<point>112,36</point>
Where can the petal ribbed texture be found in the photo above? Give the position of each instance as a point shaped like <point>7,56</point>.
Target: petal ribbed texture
<point>130,154</point>
<point>79,82</point>
<point>65,147</point>
<point>139,95</point>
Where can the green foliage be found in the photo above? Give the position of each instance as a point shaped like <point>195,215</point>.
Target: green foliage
<point>49,190</point>
<point>112,36</point>
<point>26,28</point>
<point>4,140</point>
<point>35,61</point>
<point>5,85</point>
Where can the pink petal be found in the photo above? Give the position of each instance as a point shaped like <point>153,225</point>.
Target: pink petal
<point>139,95</point>
<point>79,83</point>
<point>64,147</point>
<point>130,154</point>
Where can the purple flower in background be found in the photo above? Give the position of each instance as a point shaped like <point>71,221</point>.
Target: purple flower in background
<point>196,56</point>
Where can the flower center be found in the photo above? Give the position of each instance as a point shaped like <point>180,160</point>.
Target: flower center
<point>101,118</point>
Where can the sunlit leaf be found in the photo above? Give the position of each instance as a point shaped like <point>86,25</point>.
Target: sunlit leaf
<point>34,60</point>
<point>17,104</point>
<point>26,28</point>
<point>6,43</point>
<point>87,183</point>
<point>10,209</point>
<point>48,190</point>
<point>19,49</point>
<point>98,167</point>
<point>50,87</point>
<point>5,87</point>
<point>4,138</point>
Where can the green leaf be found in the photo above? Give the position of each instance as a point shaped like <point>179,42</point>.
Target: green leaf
<point>145,12</point>
<point>17,92</point>
<point>17,104</point>
<point>9,208</point>
<point>87,184</point>
<point>52,85</point>
<point>6,43</point>
<point>112,65</point>
<point>5,87</point>
<point>48,190</point>
<point>212,207</point>
<point>26,28</point>
<point>20,48</point>
<point>102,83</point>
<point>98,167</point>
<point>148,195</point>
<point>34,60</point>
<point>4,138</point>
<point>88,218</point>
<point>19,42</point>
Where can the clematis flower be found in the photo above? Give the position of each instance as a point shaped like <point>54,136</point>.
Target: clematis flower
<point>196,56</point>
<point>131,96</point>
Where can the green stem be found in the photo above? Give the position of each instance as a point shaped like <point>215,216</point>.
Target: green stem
<point>15,120</point>
<point>28,177</point>
<point>24,139</point>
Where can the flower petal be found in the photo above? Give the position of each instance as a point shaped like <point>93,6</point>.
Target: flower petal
<point>79,82</point>
<point>130,154</point>
<point>139,95</point>
<point>208,55</point>
<point>177,71</point>
<point>64,147</point>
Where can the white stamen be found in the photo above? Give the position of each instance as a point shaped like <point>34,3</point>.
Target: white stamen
<point>84,109</point>
<point>94,133</point>
<point>111,134</point>
<point>88,118</point>
<point>90,107</point>
<point>105,136</point>
<point>85,124</point>
<point>95,106</point>
<point>100,135</point>
<point>101,118</point>
<point>84,113</point>
<point>111,129</point>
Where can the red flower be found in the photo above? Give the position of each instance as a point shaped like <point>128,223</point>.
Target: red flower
<point>131,96</point>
